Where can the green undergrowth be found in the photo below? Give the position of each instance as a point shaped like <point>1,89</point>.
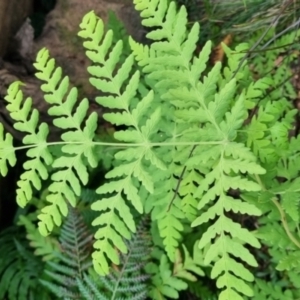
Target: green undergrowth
<point>201,191</point>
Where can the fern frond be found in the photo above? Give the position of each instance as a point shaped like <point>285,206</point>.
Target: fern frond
<point>120,33</point>
<point>71,168</point>
<point>170,228</point>
<point>290,262</point>
<point>127,281</point>
<point>294,279</point>
<point>7,151</point>
<point>289,193</point>
<point>188,187</point>
<point>273,234</point>
<point>266,135</point>
<point>116,220</point>
<point>229,236</point>
<point>89,289</point>
<point>179,81</point>
<point>165,207</point>
<point>279,224</point>
<point>164,283</point>
<point>73,260</point>
<point>43,246</point>
<point>266,290</point>
<point>20,270</point>
<point>167,64</point>
<point>26,120</point>
<point>188,267</point>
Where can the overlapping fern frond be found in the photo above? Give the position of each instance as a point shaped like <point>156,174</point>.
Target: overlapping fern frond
<point>20,270</point>
<point>169,279</point>
<point>128,280</point>
<point>26,120</point>
<point>74,278</point>
<point>267,290</point>
<point>73,258</point>
<point>71,168</point>
<point>163,62</point>
<point>215,118</point>
<point>266,135</point>
<point>269,135</point>
<point>7,151</point>
<point>44,247</point>
<point>116,220</point>
<point>280,205</point>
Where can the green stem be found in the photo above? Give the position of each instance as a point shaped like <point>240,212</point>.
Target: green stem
<point>126,144</point>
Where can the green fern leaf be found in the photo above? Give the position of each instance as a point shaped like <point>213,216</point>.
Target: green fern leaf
<point>89,289</point>
<point>71,168</point>
<point>290,262</point>
<point>170,228</point>
<point>127,281</point>
<point>187,189</point>
<point>290,203</point>
<point>163,281</point>
<point>72,260</point>
<point>268,290</point>
<point>27,121</point>
<point>183,270</point>
<point>7,151</point>
<point>43,246</point>
<point>20,270</point>
<point>289,194</point>
<point>165,208</point>
<point>223,246</point>
<point>221,117</point>
<point>116,221</point>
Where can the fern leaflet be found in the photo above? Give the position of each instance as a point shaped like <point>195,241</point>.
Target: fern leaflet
<point>40,157</point>
<point>71,168</point>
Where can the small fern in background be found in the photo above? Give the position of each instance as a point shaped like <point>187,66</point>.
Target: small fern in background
<point>128,280</point>
<point>273,126</point>
<point>72,260</point>
<point>70,274</point>
<point>20,269</point>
